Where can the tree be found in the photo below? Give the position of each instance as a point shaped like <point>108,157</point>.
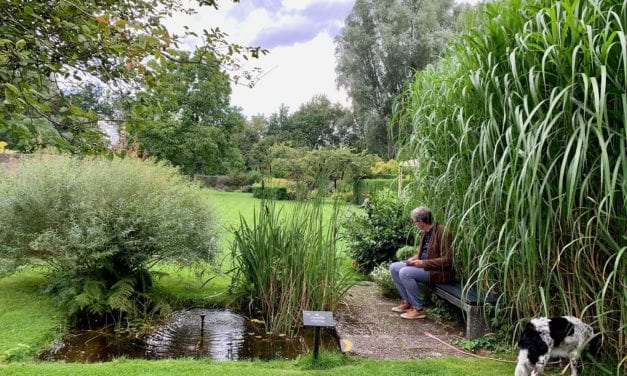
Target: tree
<point>47,44</point>
<point>317,123</point>
<point>195,127</point>
<point>278,123</point>
<point>339,164</point>
<point>383,42</point>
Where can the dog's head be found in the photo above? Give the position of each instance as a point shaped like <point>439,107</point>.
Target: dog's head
<point>531,341</point>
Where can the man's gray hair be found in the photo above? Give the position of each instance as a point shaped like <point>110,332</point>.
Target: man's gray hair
<point>422,214</point>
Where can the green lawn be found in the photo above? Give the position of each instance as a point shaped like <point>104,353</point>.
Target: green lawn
<point>29,320</point>
<point>230,205</point>
<point>429,367</point>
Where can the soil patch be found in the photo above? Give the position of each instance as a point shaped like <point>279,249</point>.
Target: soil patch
<point>366,319</point>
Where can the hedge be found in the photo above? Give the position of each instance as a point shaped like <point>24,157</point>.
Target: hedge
<point>270,192</point>
<point>372,185</point>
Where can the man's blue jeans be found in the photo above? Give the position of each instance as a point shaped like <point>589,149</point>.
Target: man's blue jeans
<point>406,279</point>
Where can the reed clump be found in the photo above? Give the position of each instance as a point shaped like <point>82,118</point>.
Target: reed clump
<point>285,263</point>
<point>521,134</point>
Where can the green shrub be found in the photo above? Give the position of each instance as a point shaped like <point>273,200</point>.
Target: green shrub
<point>19,353</point>
<point>252,177</point>
<point>236,179</point>
<point>99,225</point>
<point>270,192</point>
<point>406,252</point>
<point>382,277</point>
<point>375,234</point>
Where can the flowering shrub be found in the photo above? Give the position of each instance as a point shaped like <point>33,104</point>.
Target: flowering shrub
<point>382,277</point>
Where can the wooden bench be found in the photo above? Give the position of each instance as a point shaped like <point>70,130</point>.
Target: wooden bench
<point>472,304</point>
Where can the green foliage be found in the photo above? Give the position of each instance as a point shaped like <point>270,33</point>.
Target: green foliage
<point>374,235</point>
<point>317,123</point>
<point>521,132</point>
<point>390,167</point>
<point>21,352</point>
<point>270,192</point>
<point>371,186</point>
<point>405,252</point>
<point>99,225</point>
<point>196,128</point>
<point>381,45</point>
<point>124,44</point>
<point>487,342</point>
<point>382,277</point>
<point>286,264</point>
<point>442,309</point>
<point>339,166</point>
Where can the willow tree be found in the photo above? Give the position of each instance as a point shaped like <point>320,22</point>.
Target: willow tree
<point>381,45</point>
<point>521,136</point>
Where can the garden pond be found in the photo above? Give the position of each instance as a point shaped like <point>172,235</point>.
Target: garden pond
<point>198,332</point>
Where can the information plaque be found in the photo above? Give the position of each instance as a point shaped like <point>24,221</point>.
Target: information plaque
<point>318,318</point>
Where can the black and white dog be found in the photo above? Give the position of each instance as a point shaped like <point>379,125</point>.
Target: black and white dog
<point>552,337</point>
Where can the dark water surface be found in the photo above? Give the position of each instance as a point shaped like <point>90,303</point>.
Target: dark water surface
<point>222,335</point>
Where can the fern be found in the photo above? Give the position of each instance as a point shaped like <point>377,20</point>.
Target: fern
<point>119,297</point>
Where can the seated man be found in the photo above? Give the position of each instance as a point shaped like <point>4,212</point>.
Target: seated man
<point>366,201</point>
<point>431,264</point>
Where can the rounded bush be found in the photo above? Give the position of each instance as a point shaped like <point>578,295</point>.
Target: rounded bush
<point>374,235</point>
<point>406,252</point>
<point>98,225</point>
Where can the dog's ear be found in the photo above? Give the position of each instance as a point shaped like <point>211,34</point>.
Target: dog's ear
<point>540,346</point>
<point>531,340</point>
<point>527,337</point>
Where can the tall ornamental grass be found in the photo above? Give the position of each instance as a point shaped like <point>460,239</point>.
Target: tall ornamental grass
<point>99,226</point>
<point>521,134</point>
<point>284,264</point>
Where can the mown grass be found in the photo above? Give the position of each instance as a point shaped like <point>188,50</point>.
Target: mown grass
<point>28,318</point>
<point>435,367</point>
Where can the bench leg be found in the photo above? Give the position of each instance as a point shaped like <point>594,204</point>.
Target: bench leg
<point>476,326</point>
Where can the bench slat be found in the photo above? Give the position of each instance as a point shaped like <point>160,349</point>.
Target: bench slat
<point>472,298</point>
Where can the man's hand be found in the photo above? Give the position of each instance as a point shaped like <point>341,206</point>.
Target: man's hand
<point>416,263</point>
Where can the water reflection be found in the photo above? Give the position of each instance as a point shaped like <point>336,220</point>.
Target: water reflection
<point>221,337</point>
<point>225,335</point>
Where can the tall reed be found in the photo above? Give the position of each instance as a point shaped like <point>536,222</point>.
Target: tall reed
<point>285,263</point>
<point>521,132</point>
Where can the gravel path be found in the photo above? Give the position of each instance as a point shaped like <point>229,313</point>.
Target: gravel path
<point>366,319</point>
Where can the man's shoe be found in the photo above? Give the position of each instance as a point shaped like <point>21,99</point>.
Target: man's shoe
<point>403,307</point>
<point>414,313</point>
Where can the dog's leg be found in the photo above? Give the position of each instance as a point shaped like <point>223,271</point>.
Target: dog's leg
<point>521,368</point>
<point>573,363</point>
<point>539,366</point>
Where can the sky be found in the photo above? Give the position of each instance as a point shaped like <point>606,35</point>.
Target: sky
<point>300,37</point>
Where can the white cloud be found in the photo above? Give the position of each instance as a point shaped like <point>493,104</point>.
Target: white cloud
<point>304,4</point>
<point>293,76</point>
<point>301,62</point>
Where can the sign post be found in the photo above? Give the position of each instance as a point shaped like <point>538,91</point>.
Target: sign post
<point>317,319</point>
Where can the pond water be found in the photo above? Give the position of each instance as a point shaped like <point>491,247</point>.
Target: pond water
<point>198,332</point>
